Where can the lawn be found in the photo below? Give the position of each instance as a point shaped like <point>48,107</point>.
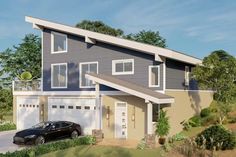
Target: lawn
<point>104,151</point>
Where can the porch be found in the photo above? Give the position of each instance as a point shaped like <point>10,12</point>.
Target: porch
<point>145,99</point>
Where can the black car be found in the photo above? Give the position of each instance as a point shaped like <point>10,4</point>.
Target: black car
<point>47,131</point>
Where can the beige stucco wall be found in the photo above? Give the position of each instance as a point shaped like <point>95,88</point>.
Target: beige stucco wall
<point>136,106</point>
<point>187,104</point>
<point>14,110</point>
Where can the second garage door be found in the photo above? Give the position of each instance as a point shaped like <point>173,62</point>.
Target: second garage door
<point>78,110</point>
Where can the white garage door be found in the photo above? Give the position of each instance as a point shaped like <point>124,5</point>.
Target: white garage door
<point>27,112</point>
<point>78,110</point>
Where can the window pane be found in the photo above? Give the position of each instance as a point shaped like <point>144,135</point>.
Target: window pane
<point>93,68</point>
<point>88,68</point>
<point>85,69</point>
<point>119,67</point>
<point>128,67</point>
<point>154,75</point>
<point>59,42</point>
<point>62,76</point>
<point>55,76</point>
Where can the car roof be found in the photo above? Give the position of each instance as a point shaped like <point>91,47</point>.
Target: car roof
<point>57,121</point>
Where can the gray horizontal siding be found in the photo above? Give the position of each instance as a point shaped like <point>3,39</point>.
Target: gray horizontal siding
<point>175,73</point>
<point>79,51</point>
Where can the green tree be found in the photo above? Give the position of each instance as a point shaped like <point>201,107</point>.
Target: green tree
<point>6,99</point>
<point>218,72</point>
<point>99,26</point>
<point>148,37</point>
<point>24,57</point>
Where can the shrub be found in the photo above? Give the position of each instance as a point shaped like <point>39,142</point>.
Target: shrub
<point>178,137</point>
<point>142,144</point>
<point>189,148</point>
<point>205,112</point>
<point>216,137</point>
<point>7,126</point>
<point>211,119</point>
<point>188,124</point>
<point>54,146</point>
<point>196,121</point>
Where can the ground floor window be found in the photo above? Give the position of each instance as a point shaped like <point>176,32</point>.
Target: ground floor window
<point>155,112</point>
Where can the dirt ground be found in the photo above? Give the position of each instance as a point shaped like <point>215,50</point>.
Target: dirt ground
<point>232,127</point>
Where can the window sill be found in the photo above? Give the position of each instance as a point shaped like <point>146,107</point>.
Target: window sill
<point>59,52</point>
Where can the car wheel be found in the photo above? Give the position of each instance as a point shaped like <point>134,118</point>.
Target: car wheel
<point>74,134</point>
<point>40,140</point>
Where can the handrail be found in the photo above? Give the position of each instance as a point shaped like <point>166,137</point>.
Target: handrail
<point>32,85</point>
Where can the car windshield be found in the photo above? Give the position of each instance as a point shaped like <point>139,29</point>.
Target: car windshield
<point>41,125</point>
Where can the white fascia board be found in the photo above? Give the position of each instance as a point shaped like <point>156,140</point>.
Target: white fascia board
<point>130,91</point>
<point>145,48</point>
<point>66,93</point>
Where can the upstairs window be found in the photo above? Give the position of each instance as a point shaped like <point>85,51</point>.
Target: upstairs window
<point>187,75</point>
<point>58,42</point>
<point>88,67</point>
<point>123,67</point>
<point>154,76</point>
<point>59,75</point>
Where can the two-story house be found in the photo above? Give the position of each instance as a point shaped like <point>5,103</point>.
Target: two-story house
<point>107,83</point>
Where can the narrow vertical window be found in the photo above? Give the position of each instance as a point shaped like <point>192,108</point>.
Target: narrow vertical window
<point>187,76</point>
<point>154,76</point>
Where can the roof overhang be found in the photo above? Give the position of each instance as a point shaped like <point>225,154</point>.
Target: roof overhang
<point>131,89</point>
<point>92,37</point>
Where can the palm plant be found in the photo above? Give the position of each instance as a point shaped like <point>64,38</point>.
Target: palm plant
<point>162,127</point>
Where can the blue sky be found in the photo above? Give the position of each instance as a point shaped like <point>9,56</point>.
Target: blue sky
<point>195,27</point>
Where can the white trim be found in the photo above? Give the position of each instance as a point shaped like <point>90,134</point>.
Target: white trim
<point>101,112</point>
<point>80,73</point>
<point>91,93</point>
<point>114,62</point>
<point>149,75</point>
<point>63,97</point>
<point>182,90</point>
<point>149,118</point>
<point>126,106</point>
<point>52,42</point>
<point>42,60</point>
<point>141,47</point>
<point>52,75</point>
<point>164,74</point>
<point>131,91</point>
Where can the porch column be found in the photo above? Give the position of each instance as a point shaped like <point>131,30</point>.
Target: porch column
<point>150,137</point>
<point>149,118</point>
<point>98,106</point>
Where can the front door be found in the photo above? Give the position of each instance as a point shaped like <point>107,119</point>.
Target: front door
<point>121,120</point>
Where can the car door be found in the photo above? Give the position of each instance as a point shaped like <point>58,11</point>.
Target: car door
<point>66,129</point>
<point>54,131</point>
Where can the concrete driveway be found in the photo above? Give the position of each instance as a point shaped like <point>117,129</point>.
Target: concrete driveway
<point>6,142</point>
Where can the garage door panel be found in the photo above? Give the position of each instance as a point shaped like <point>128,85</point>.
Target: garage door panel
<point>78,110</point>
<point>27,112</point>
